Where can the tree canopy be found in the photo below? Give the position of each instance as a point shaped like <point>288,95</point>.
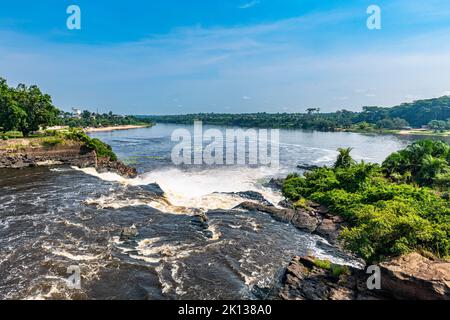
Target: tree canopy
<point>25,109</point>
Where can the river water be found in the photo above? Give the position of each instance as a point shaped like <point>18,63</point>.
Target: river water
<point>53,218</point>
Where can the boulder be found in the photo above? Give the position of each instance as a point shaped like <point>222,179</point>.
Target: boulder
<point>128,233</point>
<point>413,276</point>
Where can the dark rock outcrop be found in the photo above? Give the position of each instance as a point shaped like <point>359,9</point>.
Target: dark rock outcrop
<point>307,167</point>
<point>75,155</point>
<point>310,220</point>
<point>106,165</point>
<point>303,280</point>
<point>128,233</point>
<point>411,277</point>
<point>276,183</point>
<point>69,155</point>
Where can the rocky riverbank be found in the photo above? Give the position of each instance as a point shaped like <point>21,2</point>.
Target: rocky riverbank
<point>73,154</point>
<point>314,218</point>
<point>410,277</point>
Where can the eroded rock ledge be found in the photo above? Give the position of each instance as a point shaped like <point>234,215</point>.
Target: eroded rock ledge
<point>72,155</point>
<point>315,219</point>
<point>408,277</point>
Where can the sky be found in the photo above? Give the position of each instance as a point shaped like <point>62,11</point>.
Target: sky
<point>231,56</point>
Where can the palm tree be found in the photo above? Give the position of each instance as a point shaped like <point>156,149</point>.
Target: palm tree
<point>430,168</point>
<point>344,159</point>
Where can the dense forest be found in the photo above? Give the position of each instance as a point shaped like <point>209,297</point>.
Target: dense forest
<point>432,112</point>
<point>26,109</point>
<point>398,207</point>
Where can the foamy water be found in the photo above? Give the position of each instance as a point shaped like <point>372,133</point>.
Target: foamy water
<point>201,189</point>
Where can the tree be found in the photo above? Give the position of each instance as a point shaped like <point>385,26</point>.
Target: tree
<point>10,114</point>
<point>437,125</point>
<point>37,106</point>
<point>344,159</point>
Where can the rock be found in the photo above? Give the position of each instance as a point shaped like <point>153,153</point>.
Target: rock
<point>307,167</point>
<point>73,155</point>
<point>303,280</point>
<point>304,221</point>
<point>251,195</point>
<point>128,233</point>
<point>283,215</point>
<point>286,204</point>
<point>413,276</point>
<point>107,165</point>
<point>154,188</point>
<point>276,183</point>
<point>409,277</point>
<point>329,230</point>
<point>200,220</point>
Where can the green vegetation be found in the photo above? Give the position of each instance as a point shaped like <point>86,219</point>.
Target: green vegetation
<point>96,120</point>
<point>102,149</point>
<point>25,109</point>
<point>392,209</point>
<point>371,119</point>
<point>335,270</point>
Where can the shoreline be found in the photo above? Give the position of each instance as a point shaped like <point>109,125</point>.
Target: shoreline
<point>115,128</point>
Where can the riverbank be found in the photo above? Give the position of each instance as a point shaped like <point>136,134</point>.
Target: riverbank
<point>115,128</point>
<point>58,151</point>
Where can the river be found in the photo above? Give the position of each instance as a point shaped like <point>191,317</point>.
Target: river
<point>53,218</point>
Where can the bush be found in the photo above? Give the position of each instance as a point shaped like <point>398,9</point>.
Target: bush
<point>102,149</point>
<point>386,218</point>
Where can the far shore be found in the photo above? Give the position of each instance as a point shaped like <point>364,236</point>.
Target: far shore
<point>114,128</point>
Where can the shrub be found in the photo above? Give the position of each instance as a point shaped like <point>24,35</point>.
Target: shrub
<point>386,218</point>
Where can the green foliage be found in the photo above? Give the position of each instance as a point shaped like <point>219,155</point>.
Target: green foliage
<point>96,120</point>
<point>372,118</point>
<point>25,108</point>
<point>102,149</point>
<point>335,269</point>
<point>386,218</point>
<point>322,264</point>
<point>52,141</point>
<point>344,160</point>
<point>424,162</point>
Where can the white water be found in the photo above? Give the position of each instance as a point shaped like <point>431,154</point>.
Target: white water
<point>201,189</point>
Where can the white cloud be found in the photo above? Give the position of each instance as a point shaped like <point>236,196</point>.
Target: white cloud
<point>277,62</point>
<point>249,4</point>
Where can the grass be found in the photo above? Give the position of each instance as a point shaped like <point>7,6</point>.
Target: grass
<point>334,269</point>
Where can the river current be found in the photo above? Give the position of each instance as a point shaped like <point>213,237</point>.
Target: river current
<point>53,218</point>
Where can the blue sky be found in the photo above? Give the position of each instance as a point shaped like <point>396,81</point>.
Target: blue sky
<point>183,56</point>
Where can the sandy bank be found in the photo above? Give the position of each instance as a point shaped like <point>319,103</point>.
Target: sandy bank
<point>105,129</point>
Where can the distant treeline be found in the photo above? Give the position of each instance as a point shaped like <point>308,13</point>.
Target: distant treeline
<point>95,120</point>
<point>416,114</point>
<point>26,109</point>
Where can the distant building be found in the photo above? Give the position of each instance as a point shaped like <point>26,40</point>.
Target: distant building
<point>76,113</point>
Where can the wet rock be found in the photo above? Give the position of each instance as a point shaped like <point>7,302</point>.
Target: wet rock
<point>74,155</point>
<point>128,233</point>
<point>251,195</point>
<point>154,188</point>
<point>304,221</point>
<point>413,276</point>
<point>276,183</point>
<point>200,220</point>
<point>107,165</point>
<point>307,167</point>
<point>329,230</point>
<point>303,280</point>
<point>286,204</point>
<point>283,215</point>
<point>409,277</point>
